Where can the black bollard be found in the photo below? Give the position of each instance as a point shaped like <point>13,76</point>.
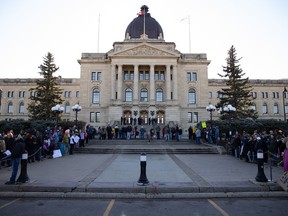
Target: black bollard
<point>23,175</point>
<point>143,178</point>
<point>260,161</point>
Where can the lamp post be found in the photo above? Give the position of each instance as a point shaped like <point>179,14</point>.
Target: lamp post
<point>76,108</point>
<point>284,111</point>
<point>229,108</point>
<point>57,109</point>
<point>210,108</point>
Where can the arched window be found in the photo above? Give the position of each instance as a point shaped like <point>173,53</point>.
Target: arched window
<point>253,106</point>
<point>67,107</point>
<point>144,95</point>
<point>10,107</point>
<point>265,108</point>
<point>128,95</point>
<point>159,95</point>
<point>21,107</point>
<point>192,96</point>
<point>77,94</point>
<point>276,108</point>
<point>96,96</point>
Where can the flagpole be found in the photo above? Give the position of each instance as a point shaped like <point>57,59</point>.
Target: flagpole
<point>98,33</point>
<point>189,34</point>
<point>144,21</point>
<point>189,31</point>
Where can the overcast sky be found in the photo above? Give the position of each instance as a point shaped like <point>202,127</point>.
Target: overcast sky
<point>30,28</point>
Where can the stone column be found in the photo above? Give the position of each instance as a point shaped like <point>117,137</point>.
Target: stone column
<point>136,85</point>
<point>113,82</point>
<point>119,83</point>
<point>152,84</point>
<point>175,83</point>
<point>168,83</point>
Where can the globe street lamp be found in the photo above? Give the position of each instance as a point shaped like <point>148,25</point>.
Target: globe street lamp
<point>210,108</point>
<point>57,109</point>
<point>229,109</point>
<point>284,111</point>
<point>76,108</point>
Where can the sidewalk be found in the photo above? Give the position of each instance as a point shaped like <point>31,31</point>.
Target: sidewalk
<point>169,175</point>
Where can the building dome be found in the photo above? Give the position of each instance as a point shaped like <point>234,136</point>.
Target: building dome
<point>136,28</point>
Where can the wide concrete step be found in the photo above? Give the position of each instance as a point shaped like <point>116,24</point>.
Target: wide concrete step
<point>147,151</point>
<point>143,146</point>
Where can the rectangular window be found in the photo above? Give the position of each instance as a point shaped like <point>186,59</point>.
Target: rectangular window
<point>162,75</point>
<point>125,75</point>
<point>188,76</point>
<point>141,75</point>
<point>93,76</point>
<point>144,96</point>
<point>131,75</point>
<point>264,94</point>
<point>194,76</point>
<point>77,94</point>
<point>209,95</point>
<point>99,76</point>
<point>219,95</point>
<point>195,117</point>
<point>92,117</point>
<point>97,115</point>
<point>10,94</point>
<point>156,75</point>
<point>21,94</point>
<point>254,95</point>
<point>190,117</point>
<point>146,75</point>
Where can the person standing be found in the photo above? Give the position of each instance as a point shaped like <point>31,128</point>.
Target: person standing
<point>18,150</point>
<point>190,132</point>
<point>73,142</point>
<point>198,136</point>
<point>285,155</point>
<point>82,138</point>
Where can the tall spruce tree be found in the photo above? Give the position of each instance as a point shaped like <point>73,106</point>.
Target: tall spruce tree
<point>238,91</point>
<point>47,92</point>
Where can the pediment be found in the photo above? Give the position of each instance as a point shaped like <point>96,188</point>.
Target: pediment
<point>145,50</point>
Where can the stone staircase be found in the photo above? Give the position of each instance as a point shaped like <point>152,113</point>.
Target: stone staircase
<point>136,146</point>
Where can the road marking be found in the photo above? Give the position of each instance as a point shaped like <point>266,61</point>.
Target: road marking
<point>222,211</point>
<point>109,207</point>
<point>7,204</point>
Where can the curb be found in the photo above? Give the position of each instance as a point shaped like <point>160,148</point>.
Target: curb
<point>78,195</point>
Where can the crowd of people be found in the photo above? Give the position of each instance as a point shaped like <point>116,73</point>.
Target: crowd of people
<point>273,144</point>
<point>38,145</point>
<point>139,132</point>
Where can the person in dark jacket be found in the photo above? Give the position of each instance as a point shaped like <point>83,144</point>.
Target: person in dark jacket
<point>16,155</point>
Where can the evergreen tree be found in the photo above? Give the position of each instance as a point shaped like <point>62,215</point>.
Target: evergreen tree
<point>238,91</point>
<point>47,92</point>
